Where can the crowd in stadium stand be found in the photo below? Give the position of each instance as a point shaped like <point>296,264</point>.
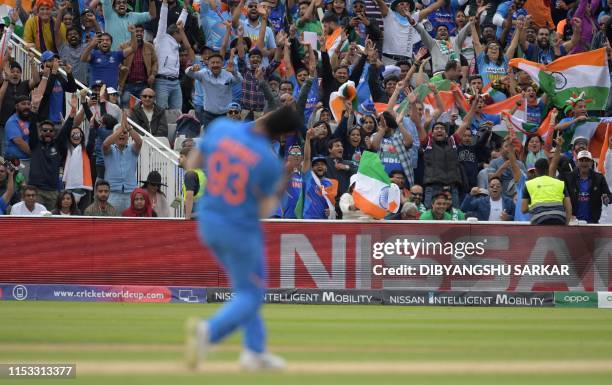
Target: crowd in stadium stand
<point>448,93</point>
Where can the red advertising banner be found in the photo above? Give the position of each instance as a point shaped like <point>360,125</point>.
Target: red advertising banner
<point>324,255</point>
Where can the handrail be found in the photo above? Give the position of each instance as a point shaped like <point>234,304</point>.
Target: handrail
<point>132,123</point>
<point>154,154</point>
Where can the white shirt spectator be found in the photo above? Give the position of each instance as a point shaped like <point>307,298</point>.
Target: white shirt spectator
<point>166,47</point>
<point>399,38</point>
<point>21,209</point>
<point>496,209</point>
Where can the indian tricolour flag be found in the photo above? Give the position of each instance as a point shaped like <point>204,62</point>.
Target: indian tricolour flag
<point>347,91</point>
<point>523,129</point>
<point>572,74</point>
<point>594,129</point>
<point>374,194</point>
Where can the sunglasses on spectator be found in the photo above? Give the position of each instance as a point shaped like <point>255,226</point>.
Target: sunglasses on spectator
<point>417,194</point>
<point>233,112</point>
<point>47,129</point>
<point>252,6</point>
<point>147,96</point>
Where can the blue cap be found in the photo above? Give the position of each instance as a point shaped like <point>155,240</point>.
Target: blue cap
<point>48,55</point>
<point>234,106</point>
<point>318,159</point>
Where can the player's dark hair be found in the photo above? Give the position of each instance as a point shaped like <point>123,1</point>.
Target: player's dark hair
<point>185,151</point>
<point>283,121</point>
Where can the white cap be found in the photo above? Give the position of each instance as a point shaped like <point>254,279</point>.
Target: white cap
<point>584,154</point>
<point>111,90</point>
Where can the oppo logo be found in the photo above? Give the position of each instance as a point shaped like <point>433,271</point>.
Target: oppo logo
<point>578,298</point>
<point>609,298</point>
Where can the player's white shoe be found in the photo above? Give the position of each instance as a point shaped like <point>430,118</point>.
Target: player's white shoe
<point>252,361</point>
<point>196,343</point>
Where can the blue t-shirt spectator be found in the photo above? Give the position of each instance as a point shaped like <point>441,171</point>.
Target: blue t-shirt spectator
<point>16,128</point>
<point>311,100</point>
<point>583,211</point>
<point>117,26</point>
<point>502,13</point>
<point>105,67</point>
<point>212,23</point>
<point>490,71</point>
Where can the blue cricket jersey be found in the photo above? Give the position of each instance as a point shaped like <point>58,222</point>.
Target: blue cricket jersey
<point>241,168</point>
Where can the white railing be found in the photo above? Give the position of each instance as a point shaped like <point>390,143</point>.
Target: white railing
<point>155,154</point>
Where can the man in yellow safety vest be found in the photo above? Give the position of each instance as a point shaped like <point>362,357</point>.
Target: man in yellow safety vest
<point>546,198</point>
<point>194,183</point>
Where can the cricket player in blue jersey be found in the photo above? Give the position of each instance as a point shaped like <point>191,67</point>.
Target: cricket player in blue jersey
<point>243,186</point>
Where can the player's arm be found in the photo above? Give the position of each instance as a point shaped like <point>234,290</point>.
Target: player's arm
<point>267,205</point>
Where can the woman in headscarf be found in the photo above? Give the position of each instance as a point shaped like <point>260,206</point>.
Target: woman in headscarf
<point>140,205</point>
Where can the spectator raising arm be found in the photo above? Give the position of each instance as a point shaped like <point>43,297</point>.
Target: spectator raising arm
<point>37,97</point>
<point>184,40</point>
<point>520,25</point>
<point>432,8</point>
<point>237,13</point>
<point>475,38</point>
<point>307,163</point>
<point>576,33</point>
<point>162,25</point>
<point>226,39</point>
<point>127,51</point>
<point>384,8</point>
<point>10,187</point>
<point>467,120</point>
<point>133,134</point>
<point>407,139</point>
<point>93,44</point>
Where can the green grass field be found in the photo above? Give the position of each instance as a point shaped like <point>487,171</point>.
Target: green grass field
<point>114,343</point>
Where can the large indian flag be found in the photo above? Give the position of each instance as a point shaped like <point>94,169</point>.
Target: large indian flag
<point>374,194</point>
<point>572,74</point>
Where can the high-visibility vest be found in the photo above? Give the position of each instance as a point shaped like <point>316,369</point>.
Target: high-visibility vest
<point>201,181</point>
<point>545,189</point>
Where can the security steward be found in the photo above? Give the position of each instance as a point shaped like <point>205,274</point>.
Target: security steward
<point>546,198</point>
<point>194,184</point>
